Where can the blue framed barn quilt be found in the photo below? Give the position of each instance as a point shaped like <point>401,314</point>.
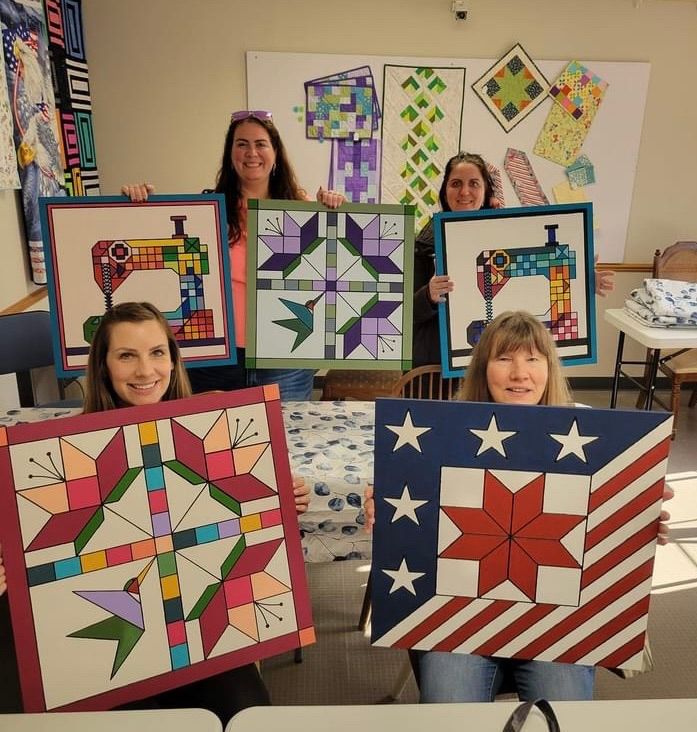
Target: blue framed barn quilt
<point>327,287</point>
<point>171,251</point>
<point>537,258</point>
<point>516,531</point>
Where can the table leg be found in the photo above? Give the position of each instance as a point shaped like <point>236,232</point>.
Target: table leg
<point>651,387</point>
<point>618,365</point>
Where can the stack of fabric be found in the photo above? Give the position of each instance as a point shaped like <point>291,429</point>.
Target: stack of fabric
<point>664,303</point>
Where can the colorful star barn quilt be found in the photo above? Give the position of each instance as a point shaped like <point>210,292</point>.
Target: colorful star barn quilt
<point>578,93</point>
<point>355,169</point>
<point>342,105</point>
<point>71,85</point>
<point>512,88</point>
<point>167,531</point>
<point>28,71</point>
<point>328,287</point>
<point>516,531</point>
<point>170,251</point>
<point>541,256</point>
<point>422,124</point>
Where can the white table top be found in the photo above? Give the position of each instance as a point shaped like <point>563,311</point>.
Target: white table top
<point>674,337</point>
<point>157,720</point>
<point>647,715</point>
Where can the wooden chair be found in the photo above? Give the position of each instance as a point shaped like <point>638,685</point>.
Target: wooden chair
<point>677,262</point>
<point>425,382</point>
<point>361,385</point>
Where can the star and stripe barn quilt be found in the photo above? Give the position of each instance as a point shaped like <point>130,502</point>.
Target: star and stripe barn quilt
<point>150,547</point>
<point>516,531</point>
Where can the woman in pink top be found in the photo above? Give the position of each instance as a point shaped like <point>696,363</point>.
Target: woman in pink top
<point>254,165</point>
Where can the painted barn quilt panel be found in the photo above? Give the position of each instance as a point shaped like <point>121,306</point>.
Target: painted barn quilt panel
<point>422,124</point>
<point>541,256</point>
<point>512,88</point>
<point>28,71</point>
<point>170,251</point>
<point>327,287</point>
<point>150,547</point>
<point>71,86</point>
<point>516,531</point>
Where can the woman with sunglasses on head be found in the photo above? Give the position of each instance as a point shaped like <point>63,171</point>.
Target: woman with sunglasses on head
<point>467,186</point>
<point>254,165</point>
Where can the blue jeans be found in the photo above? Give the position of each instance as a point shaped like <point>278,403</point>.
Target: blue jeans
<point>459,677</point>
<point>295,384</point>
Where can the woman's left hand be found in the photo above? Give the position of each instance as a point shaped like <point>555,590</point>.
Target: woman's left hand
<point>663,530</point>
<point>331,199</point>
<point>604,280</point>
<point>301,491</point>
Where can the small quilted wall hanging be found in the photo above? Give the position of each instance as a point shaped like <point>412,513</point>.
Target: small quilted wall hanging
<point>578,93</point>
<point>541,256</point>
<point>170,251</point>
<point>342,106</point>
<point>150,547</point>
<point>522,532</point>
<point>328,288</point>
<point>512,88</point>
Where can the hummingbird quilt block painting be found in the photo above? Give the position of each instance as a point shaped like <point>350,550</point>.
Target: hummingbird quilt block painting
<point>328,287</point>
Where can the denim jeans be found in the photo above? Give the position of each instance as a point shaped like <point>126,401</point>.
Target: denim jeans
<point>459,677</point>
<point>295,384</point>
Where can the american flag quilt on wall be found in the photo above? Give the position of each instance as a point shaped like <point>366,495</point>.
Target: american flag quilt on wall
<point>516,531</point>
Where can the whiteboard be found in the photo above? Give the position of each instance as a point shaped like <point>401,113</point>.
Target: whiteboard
<point>275,81</point>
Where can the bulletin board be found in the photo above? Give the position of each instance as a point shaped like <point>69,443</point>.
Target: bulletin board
<point>276,82</point>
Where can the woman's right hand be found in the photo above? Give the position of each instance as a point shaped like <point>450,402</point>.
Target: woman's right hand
<point>438,287</point>
<point>138,192</point>
<point>3,578</point>
<point>369,507</point>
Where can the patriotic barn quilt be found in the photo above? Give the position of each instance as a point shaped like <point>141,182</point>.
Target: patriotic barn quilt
<point>150,547</point>
<point>516,531</point>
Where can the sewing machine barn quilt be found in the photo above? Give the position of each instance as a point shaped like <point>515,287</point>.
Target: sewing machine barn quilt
<point>171,251</point>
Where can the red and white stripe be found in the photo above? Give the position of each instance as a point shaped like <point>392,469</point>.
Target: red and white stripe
<point>523,178</point>
<point>608,627</point>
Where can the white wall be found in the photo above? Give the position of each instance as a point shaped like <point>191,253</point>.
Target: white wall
<point>165,74</point>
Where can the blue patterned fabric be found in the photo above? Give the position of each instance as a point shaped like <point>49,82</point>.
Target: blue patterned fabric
<point>662,303</point>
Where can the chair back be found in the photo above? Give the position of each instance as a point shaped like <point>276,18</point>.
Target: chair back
<point>425,382</point>
<point>677,262</point>
<point>26,345</point>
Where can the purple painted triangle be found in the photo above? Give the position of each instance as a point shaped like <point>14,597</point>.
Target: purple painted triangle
<point>118,602</point>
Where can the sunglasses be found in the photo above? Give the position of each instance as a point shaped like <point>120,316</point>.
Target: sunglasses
<point>261,114</point>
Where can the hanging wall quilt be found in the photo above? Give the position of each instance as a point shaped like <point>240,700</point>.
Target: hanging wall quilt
<point>539,258</point>
<point>28,70</point>
<point>71,85</point>
<point>342,105</point>
<point>512,88</point>
<point>577,93</point>
<point>9,178</point>
<point>422,124</point>
<point>516,531</point>
<point>328,287</point>
<point>170,251</point>
<point>150,547</point>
